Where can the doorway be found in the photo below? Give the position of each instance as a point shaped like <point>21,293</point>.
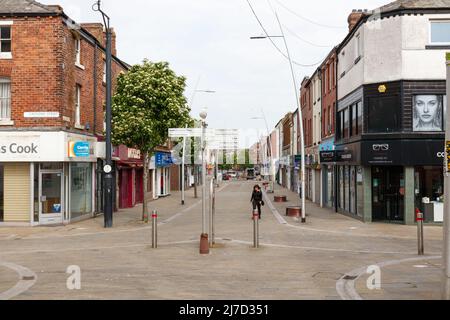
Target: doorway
<point>388,194</point>
<point>51,206</point>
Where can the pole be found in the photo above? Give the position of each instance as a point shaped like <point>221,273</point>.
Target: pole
<point>256,229</point>
<point>155,229</point>
<point>204,242</point>
<point>211,192</point>
<point>302,136</point>
<point>420,237</point>
<point>183,173</point>
<point>108,178</point>
<point>446,255</point>
<point>213,233</point>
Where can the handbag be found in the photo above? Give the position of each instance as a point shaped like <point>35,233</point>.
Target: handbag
<point>262,203</point>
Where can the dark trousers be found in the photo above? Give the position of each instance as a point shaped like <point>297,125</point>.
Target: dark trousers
<point>257,204</point>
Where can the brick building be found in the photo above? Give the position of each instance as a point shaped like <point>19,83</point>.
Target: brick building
<point>52,93</point>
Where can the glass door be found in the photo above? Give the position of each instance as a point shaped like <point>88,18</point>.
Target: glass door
<point>50,194</point>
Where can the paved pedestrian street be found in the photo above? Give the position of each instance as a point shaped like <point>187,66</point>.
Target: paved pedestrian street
<point>326,258</point>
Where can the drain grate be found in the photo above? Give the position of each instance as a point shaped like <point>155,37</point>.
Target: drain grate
<point>347,277</point>
<point>28,278</point>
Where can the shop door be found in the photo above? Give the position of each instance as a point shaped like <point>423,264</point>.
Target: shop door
<point>51,206</point>
<point>388,186</point>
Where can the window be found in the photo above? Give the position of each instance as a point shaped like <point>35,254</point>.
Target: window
<point>354,130</point>
<point>329,121</point>
<point>1,193</point>
<point>80,189</point>
<point>346,123</point>
<point>357,46</point>
<point>5,99</point>
<point>440,32</point>
<point>78,105</point>
<point>359,120</point>
<point>78,53</point>
<point>104,71</point>
<point>5,40</point>
<point>384,114</point>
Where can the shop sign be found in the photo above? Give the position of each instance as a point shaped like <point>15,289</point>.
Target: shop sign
<point>327,156</point>
<point>79,149</point>
<point>134,154</point>
<point>41,115</point>
<point>447,146</point>
<point>18,148</point>
<point>163,159</point>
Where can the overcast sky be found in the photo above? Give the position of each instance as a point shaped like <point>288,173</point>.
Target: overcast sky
<point>208,41</point>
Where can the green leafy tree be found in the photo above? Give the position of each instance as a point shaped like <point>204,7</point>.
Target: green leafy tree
<point>149,100</point>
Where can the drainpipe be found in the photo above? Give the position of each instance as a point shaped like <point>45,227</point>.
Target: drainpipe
<point>335,131</point>
<point>95,89</point>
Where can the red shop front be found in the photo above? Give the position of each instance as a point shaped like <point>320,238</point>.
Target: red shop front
<point>130,174</point>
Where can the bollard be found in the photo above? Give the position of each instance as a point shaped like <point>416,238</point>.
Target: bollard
<point>420,238</point>
<point>211,205</point>
<point>256,229</point>
<point>213,233</point>
<point>154,229</point>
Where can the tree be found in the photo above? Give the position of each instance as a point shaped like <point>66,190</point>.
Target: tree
<point>149,100</point>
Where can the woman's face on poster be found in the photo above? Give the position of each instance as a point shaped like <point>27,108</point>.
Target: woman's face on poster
<point>427,109</point>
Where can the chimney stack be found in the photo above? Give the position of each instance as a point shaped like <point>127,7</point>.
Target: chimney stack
<point>354,18</point>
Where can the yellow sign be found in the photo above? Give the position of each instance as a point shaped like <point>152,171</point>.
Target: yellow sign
<point>382,88</point>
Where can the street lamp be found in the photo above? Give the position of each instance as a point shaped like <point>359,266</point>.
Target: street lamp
<point>107,170</point>
<point>204,241</point>
<point>269,139</point>
<point>302,135</point>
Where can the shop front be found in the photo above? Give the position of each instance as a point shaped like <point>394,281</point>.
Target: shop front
<point>130,176</point>
<point>160,165</point>
<point>46,177</point>
<point>327,156</point>
<point>387,180</point>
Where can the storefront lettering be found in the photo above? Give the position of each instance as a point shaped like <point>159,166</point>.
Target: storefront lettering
<point>15,148</point>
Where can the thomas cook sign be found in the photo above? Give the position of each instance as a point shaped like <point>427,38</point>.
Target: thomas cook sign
<point>15,148</point>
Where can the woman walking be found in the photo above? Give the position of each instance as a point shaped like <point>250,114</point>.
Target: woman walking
<point>257,199</point>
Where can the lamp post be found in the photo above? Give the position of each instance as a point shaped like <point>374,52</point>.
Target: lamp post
<point>297,98</point>
<point>107,170</point>
<point>191,103</point>
<point>269,139</point>
<point>204,241</point>
<point>446,256</point>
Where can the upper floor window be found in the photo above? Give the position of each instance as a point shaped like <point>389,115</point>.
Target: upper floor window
<point>357,46</point>
<point>384,114</point>
<point>78,105</point>
<point>440,32</point>
<point>5,100</point>
<point>78,53</point>
<point>5,40</point>
<point>104,71</point>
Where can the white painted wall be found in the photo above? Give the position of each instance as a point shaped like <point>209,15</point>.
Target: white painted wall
<point>392,49</point>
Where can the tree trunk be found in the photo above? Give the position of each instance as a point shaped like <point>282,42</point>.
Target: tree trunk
<point>145,183</point>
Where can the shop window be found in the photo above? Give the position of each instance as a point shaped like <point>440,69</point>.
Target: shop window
<point>440,32</point>
<point>80,189</point>
<point>5,99</point>
<point>359,191</point>
<point>384,114</point>
<point>347,188</point>
<point>354,122</point>
<point>429,185</point>
<point>341,188</point>
<point>1,193</point>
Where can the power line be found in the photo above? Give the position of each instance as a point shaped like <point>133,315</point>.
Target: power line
<point>307,19</point>
<point>306,41</point>
<point>273,43</point>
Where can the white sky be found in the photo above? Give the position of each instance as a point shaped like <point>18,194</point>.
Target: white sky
<point>208,41</point>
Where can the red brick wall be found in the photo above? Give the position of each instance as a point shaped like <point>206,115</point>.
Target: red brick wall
<point>307,111</point>
<point>329,95</point>
<point>44,76</point>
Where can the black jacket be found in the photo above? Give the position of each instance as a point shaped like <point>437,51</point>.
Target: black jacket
<point>256,196</point>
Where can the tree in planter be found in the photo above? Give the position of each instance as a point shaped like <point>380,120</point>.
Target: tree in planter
<point>148,102</point>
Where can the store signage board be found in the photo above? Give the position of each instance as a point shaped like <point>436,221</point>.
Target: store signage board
<point>447,147</point>
<point>197,133</point>
<point>79,149</point>
<point>41,114</point>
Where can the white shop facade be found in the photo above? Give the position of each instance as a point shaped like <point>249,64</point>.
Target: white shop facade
<point>46,178</point>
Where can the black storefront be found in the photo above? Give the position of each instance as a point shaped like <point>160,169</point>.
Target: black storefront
<point>390,152</point>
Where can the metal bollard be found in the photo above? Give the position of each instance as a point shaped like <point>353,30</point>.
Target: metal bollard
<point>154,229</point>
<point>256,229</point>
<point>420,237</point>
